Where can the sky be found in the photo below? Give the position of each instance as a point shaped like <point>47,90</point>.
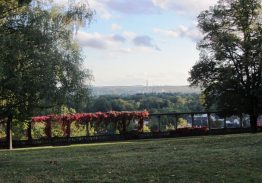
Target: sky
<point>139,42</point>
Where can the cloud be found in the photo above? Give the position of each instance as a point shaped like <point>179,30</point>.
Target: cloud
<point>120,43</point>
<point>169,33</point>
<point>99,41</point>
<point>115,27</point>
<point>100,8</point>
<point>184,6</point>
<point>155,6</point>
<point>131,6</point>
<point>104,8</point>
<point>125,50</point>
<point>188,7</point>
<point>129,35</point>
<point>145,41</point>
<point>191,32</point>
<point>119,38</point>
<point>95,40</point>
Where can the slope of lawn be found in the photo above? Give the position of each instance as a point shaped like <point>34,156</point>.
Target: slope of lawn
<point>229,158</point>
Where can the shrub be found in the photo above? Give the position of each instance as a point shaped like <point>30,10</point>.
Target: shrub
<point>2,131</point>
<point>170,127</point>
<point>190,131</point>
<point>146,129</point>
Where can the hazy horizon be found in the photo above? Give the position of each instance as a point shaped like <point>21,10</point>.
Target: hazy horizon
<point>139,85</point>
<point>138,89</point>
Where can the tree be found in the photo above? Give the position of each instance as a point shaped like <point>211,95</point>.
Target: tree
<point>122,105</point>
<point>101,104</point>
<point>230,66</point>
<point>40,64</point>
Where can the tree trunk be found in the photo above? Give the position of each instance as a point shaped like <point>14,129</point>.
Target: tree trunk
<point>254,114</point>
<point>253,122</point>
<point>9,132</point>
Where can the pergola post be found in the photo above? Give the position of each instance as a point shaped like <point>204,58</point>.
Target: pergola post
<point>241,120</point>
<point>29,131</point>
<point>192,120</point>
<point>209,121</point>
<point>141,125</point>
<point>68,128</point>
<point>124,125</point>
<point>116,125</point>
<point>225,123</point>
<point>159,123</point>
<point>176,122</point>
<point>88,128</point>
<point>48,129</point>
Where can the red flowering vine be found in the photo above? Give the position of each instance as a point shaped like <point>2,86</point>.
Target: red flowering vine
<point>121,118</point>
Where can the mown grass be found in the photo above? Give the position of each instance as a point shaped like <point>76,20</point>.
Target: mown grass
<point>229,158</point>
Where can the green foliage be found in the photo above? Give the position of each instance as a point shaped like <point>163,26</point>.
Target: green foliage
<point>92,131</point>
<point>2,131</point>
<point>170,127</point>
<point>38,130</point>
<point>78,130</point>
<point>66,110</point>
<point>217,124</point>
<point>56,130</point>
<point>154,103</point>
<point>117,132</point>
<point>172,103</point>
<point>182,123</point>
<point>153,124</point>
<point>122,105</point>
<point>146,129</point>
<point>19,129</point>
<point>230,64</point>
<point>10,7</point>
<point>40,63</point>
<point>101,104</point>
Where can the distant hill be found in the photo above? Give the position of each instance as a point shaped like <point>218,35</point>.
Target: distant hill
<point>131,90</point>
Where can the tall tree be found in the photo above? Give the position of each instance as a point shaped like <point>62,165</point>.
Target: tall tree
<point>40,64</point>
<point>230,66</point>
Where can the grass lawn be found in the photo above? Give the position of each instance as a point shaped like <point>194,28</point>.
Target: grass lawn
<point>229,158</point>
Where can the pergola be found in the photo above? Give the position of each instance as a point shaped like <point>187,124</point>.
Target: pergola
<point>120,120</point>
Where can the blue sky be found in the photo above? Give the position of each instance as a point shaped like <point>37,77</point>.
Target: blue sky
<point>131,42</point>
